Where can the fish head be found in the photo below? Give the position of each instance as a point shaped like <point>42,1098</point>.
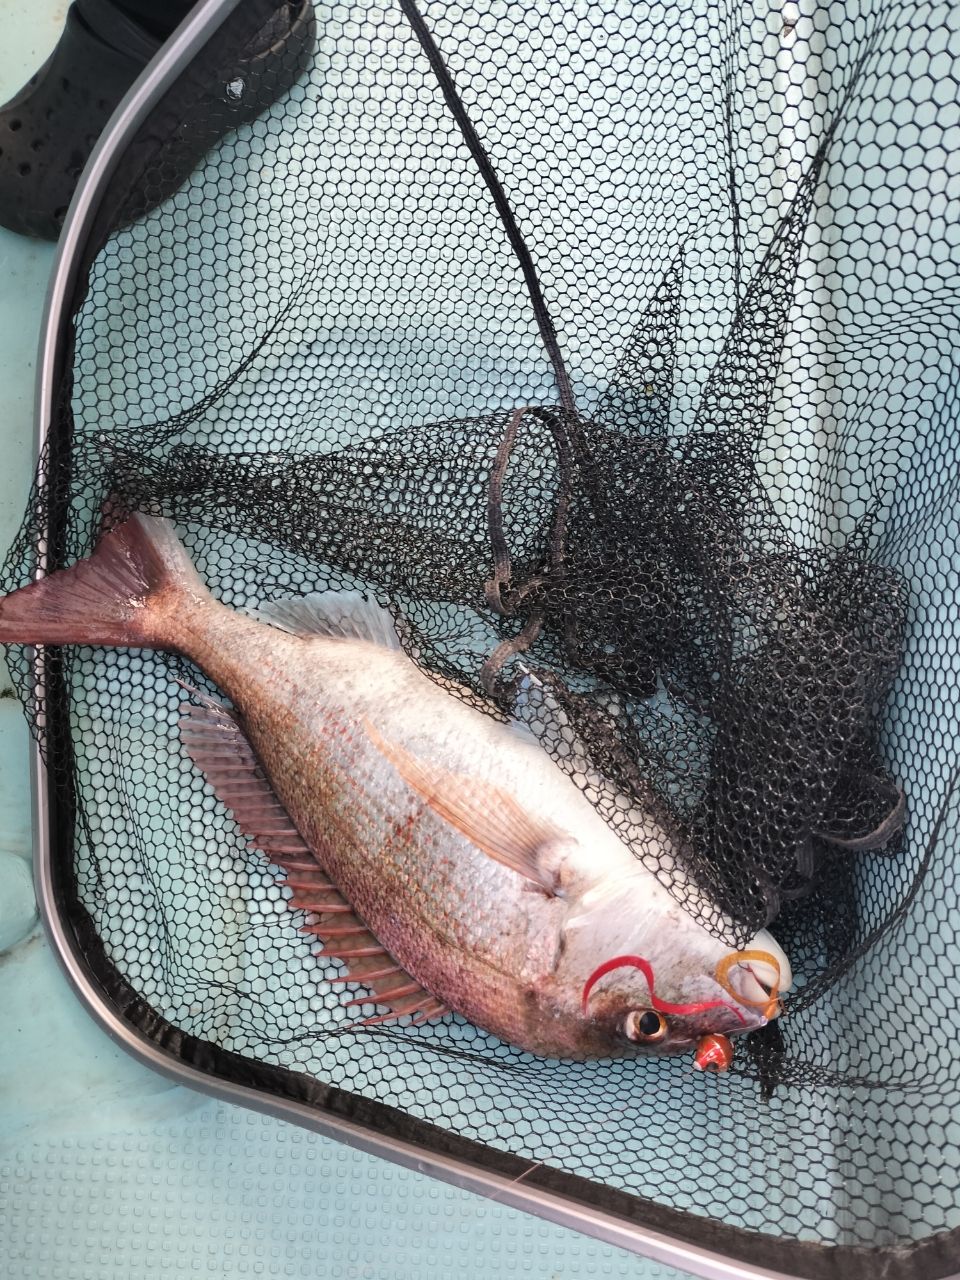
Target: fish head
<point>679,990</point>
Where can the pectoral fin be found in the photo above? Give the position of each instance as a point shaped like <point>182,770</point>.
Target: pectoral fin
<point>487,815</point>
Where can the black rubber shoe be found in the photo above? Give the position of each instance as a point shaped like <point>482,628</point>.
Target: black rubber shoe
<point>49,128</point>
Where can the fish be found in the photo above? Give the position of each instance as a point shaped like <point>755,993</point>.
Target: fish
<point>438,852</point>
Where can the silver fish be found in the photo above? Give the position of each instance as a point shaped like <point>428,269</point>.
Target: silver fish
<point>449,862</point>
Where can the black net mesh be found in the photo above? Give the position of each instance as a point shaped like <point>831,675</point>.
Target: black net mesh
<point>620,341</point>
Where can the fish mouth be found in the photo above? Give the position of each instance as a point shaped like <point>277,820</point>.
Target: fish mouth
<point>754,978</point>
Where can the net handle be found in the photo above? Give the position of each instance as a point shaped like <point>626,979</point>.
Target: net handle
<point>548,332</point>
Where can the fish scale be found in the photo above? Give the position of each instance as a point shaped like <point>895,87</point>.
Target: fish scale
<point>355,794</point>
<point>375,872</point>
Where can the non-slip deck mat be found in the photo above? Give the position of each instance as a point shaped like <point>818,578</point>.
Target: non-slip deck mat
<point>229,1194</point>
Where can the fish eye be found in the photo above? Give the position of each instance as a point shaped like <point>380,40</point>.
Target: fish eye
<point>645,1026</point>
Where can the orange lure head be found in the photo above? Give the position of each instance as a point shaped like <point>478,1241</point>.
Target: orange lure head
<point>714,1053</point>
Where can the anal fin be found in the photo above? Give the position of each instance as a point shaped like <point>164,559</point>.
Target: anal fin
<point>214,740</point>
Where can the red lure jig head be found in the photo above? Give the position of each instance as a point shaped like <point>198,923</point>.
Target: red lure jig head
<point>714,1053</point>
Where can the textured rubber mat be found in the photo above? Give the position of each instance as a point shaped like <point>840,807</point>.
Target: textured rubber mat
<point>225,1193</point>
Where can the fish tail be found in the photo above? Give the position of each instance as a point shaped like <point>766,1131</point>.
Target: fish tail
<point>134,590</point>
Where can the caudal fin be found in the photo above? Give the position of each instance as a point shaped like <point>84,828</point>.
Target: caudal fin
<point>130,592</point>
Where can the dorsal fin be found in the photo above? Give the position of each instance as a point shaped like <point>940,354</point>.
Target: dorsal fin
<point>339,615</point>
<point>216,743</point>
